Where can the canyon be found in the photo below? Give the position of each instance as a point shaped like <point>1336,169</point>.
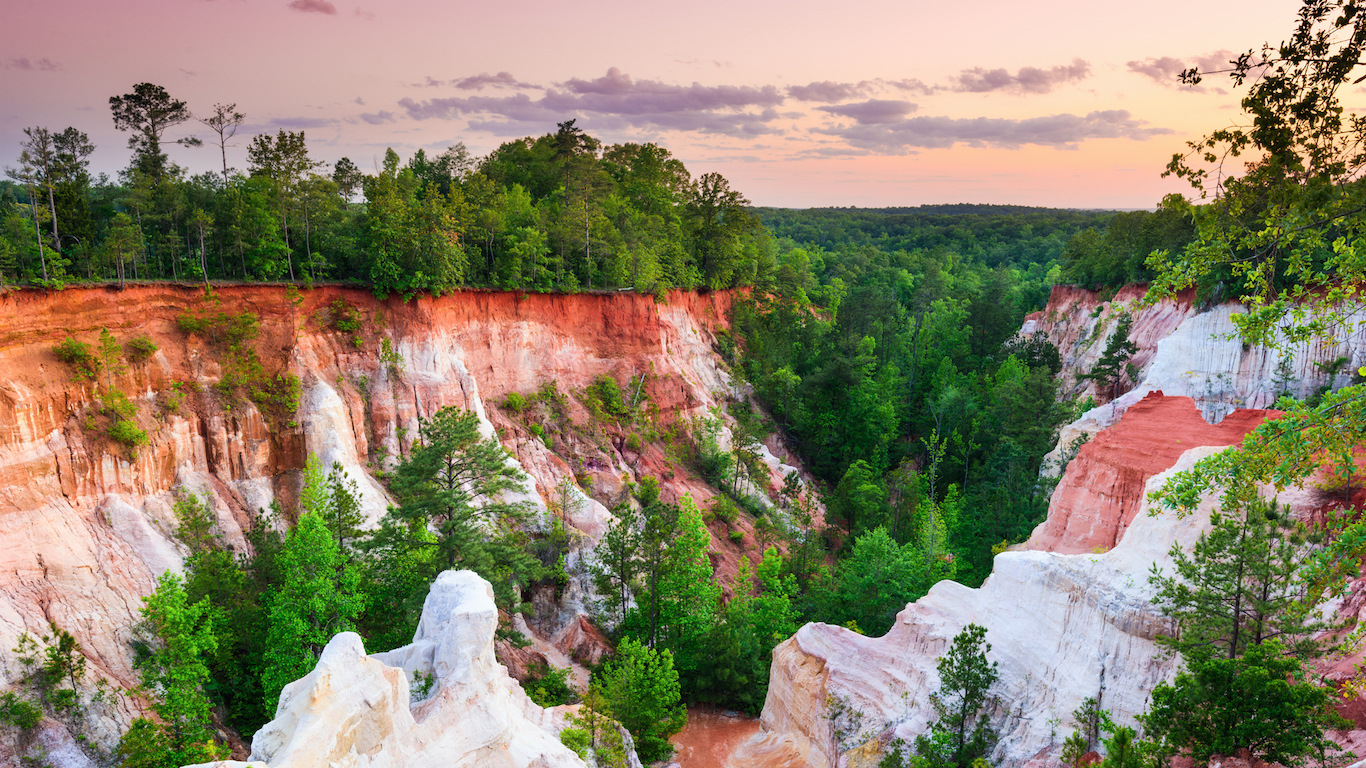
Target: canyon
<point>86,524</point>
<point>1068,613</point>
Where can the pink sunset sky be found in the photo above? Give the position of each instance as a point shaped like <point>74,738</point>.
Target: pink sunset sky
<point>867,103</point>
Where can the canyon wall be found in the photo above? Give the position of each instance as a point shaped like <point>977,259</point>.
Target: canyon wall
<point>1186,349</point>
<point>1068,613</point>
<point>1062,627</point>
<point>86,525</point>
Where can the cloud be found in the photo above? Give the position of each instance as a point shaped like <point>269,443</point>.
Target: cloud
<point>41,65</point>
<point>1063,131</point>
<point>364,14</point>
<point>873,111</point>
<point>911,84</point>
<point>615,100</point>
<point>290,123</point>
<point>1166,71</point>
<point>378,118</point>
<point>360,101</point>
<point>480,81</point>
<point>1027,80</point>
<point>829,91</point>
<point>314,6</point>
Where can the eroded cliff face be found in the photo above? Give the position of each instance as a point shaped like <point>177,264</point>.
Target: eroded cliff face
<point>1184,349</point>
<point>1069,613</point>
<point>1063,627</point>
<point>86,525</point>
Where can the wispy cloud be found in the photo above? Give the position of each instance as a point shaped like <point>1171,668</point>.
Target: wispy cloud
<point>733,110</point>
<point>484,80</point>
<point>1026,80</point>
<point>1063,131</point>
<point>378,118</point>
<point>1166,70</point>
<point>873,111</point>
<point>33,65</point>
<point>314,6</point>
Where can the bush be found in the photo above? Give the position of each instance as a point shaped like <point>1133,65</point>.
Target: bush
<point>117,404</point>
<point>126,432</point>
<point>737,536</point>
<point>19,712</point>
<point>515,403</point>
<point>725,509</point>
<point>139,348</point>
<point>85,365</point>
<point>549,686</point>
<point>634,443</point>
<point>577,739</point>
<point>537,430</point>
<point>345,318</point>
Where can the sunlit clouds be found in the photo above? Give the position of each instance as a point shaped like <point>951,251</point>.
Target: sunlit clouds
<point>868,104</point>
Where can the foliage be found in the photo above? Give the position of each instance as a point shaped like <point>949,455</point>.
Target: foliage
<point>18,711</point>
<point>126,432</point>
<point>1111,369</point>
<point>318,596</point>
<point>1260,701</point>
<point>139,348</point>
<point>1241,586</point>
<point>961,732</point>
<point>549,686</point>
<point>640,688</point>
<point>173,676</point>
<point>450,492</point>
<point>80,356</point>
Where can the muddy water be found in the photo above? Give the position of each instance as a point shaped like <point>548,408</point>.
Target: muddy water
<point>711,738</point>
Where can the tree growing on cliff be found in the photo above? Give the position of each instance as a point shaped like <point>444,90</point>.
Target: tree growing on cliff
<point>961,732</point>
<point>1245,626</point>
<point>317,597</point>
<point>641,690</point>
<point>1113,366</point>
<point>450,492</point>
<point>173,676</point>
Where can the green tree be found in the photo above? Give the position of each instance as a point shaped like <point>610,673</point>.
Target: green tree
<point>1112,368</point>
<point>1241,586</point>
<point>174,676</point>
<point>452,482</point>
<point>1260,701</point>
<point>317,597</point>
<point>615,566</point>
<point>641,690</point>
<point>961,732</point>
<point>148,112</point>
<point>690,596</point>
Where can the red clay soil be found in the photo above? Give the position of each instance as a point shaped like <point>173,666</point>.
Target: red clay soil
<point>1102,489</point>
<point>711,738</point>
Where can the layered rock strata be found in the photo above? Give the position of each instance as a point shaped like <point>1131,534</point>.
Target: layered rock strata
<point>86,525</point>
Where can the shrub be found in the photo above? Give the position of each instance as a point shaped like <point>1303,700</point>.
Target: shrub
<point>549,686</point>
<point>139,348</point>
<point>18,711</point>
<point>537,430</point>
<point>117,404</point>
<point>577,739</point>
<point>634,443</point>
<point>345,318</point>
<point>725,509</point>
<point>737,536</point>
<point>514,402</point>
<point>80,356</point>
<point>126,432</point>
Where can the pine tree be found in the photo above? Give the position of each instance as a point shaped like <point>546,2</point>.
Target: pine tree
<point>174,677</point>
<point>961,733</point>
<point>641,690</point>
<point>317,597</point>
<point>1113,366</point>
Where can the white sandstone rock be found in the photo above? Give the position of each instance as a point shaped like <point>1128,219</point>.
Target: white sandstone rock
<point>355,710</point>
<point>1062,628</point>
